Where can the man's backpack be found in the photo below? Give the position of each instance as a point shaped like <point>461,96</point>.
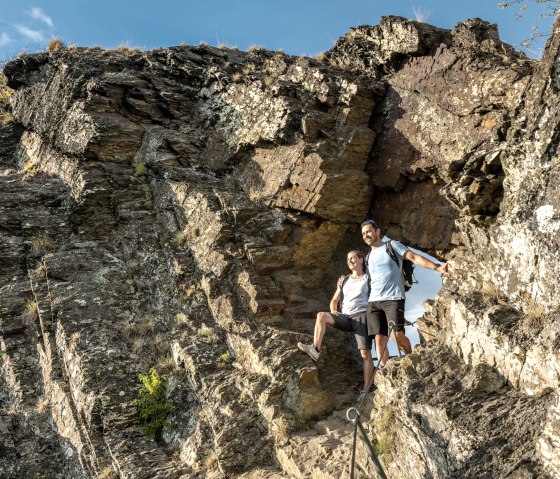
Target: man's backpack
<point>406,267</point>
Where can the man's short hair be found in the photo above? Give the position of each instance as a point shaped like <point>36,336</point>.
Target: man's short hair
<point>372,223</point>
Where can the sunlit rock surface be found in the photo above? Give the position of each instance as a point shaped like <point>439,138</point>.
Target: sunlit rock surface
<point>189,209</point>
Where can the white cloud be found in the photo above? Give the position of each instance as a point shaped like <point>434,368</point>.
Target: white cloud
<point>4,39</point>
<point>38,14</point>
<point>33,35</point>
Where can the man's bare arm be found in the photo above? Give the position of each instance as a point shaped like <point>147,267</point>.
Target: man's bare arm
<point>426,263</point>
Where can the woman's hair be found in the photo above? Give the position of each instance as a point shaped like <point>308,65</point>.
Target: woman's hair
<point>359,254</point>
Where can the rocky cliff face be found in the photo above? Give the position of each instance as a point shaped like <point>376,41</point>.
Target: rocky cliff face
<point>187,209</point>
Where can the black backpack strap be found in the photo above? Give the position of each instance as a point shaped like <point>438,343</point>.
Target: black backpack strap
<point>395,258</point>
<point>392,254</point>
<point>346,278</point>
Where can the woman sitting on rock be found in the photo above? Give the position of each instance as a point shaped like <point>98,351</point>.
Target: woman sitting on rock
<point>354,292</point>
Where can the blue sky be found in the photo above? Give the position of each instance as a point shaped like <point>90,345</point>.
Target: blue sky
<point>303,27</point>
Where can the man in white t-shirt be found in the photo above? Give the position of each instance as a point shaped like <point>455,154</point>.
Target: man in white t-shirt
<point>386,298</point>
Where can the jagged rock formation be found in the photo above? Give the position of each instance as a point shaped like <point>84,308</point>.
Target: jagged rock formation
<point>187,209</point>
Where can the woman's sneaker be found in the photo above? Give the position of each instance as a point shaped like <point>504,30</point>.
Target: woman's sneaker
<point>310,350</point>
<point>360,398</point>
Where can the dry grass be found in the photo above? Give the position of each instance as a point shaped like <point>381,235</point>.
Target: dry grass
<point>492,293</point>
<point>139,344</point>
<point>236,77</point>
<point>40,270</point>
<point>41,405</point>
<point>160,344</point>
<point>55,45</point>
<point>107,473</point>
<point>268,81</point>
<point>248,68</point>
<point>241,356</point>
<point>320,56</point>
<point>128,51</point>
<point>256,192</point>
<point>31,310</point>
<point>129,329</point>
<point>256,48</point>
<point>211,461</point>
<point>40,243</point>
<point>166,364</point>
<point>181,318</point>
<point>6,93</point>
<point>147,327</point>
<point>535,313</point>
<point>206,332</point>
<point>75,337</point>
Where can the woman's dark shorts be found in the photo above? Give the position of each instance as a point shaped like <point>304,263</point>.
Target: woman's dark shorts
<point>357,324</point>
<point>381,313</point>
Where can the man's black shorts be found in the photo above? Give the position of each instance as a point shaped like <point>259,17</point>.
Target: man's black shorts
<point>357,324</point>
<point>380,313</point>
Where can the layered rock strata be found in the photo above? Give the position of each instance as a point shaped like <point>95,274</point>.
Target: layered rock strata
<point>186,209</point>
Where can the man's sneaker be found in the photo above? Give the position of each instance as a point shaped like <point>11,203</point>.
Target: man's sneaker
<point>309,349</point>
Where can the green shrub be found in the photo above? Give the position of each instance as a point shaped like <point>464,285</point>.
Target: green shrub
<point>152,404</point>
<point>140,169</point>
<point>180,238</point>
<point>148,200</point>
<point>225,358</point>
<point>386,434</point>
